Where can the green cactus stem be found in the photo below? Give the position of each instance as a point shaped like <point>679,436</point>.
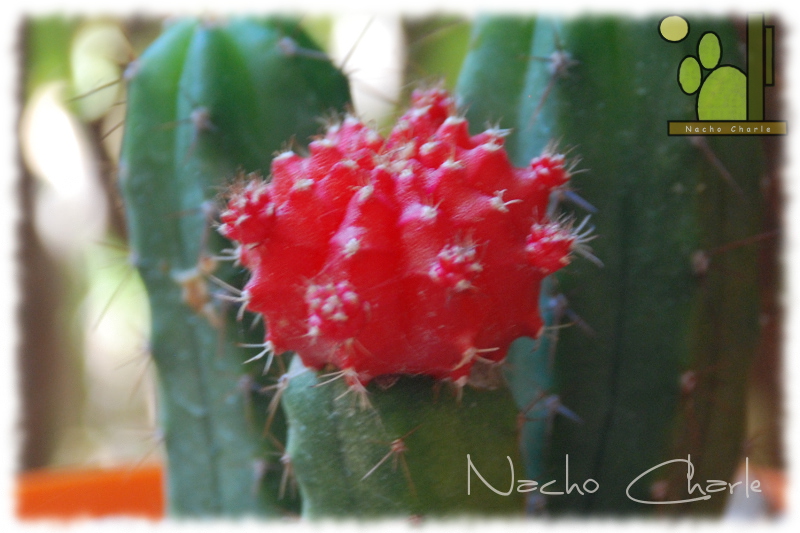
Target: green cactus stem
<point>404,455</point>
<point>206,100</point>
<point>676,301</point>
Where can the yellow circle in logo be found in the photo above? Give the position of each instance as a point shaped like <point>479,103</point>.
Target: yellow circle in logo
<point>674,28</point>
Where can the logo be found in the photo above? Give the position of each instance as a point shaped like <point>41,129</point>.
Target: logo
<point>728,101</point>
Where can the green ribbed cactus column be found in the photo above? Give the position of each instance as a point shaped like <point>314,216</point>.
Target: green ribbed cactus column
<point>206,100</point>
<point>661,372</point>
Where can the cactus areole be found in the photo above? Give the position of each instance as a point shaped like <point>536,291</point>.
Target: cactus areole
<point>418,253</point>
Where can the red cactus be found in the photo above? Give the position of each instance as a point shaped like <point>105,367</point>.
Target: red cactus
<point>416,254</point>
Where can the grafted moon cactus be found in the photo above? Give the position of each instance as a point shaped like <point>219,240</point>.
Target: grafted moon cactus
<point>415,254</point>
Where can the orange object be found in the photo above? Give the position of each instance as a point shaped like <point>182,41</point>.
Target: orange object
<point>773,485</point>
<point>71,494</point>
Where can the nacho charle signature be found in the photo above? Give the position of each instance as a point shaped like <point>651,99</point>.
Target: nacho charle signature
<point>697,491</point>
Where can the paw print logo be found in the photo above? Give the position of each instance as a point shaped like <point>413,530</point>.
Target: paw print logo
<point>722,91</point>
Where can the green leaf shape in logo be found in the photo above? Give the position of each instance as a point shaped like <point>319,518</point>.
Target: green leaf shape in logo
<point>723,95</point>
<point>689,75</point>
<point>709,50</point>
